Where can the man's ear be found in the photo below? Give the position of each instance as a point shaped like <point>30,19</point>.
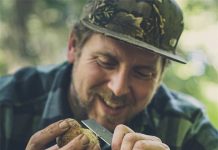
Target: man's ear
<point>71,53</point>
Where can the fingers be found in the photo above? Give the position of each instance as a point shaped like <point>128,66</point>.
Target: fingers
<point>125,138</point>
<point>41,138</point>
<point>55,147</point>
<point>132,140</point>
<point>150,145</point>
<point>81,142</point>
<point>118,136</point>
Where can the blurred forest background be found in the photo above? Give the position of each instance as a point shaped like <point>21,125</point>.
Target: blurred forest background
<point>35,32</point>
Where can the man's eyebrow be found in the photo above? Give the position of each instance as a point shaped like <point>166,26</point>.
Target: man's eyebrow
<point>105,54</point>
<point>151,67</point>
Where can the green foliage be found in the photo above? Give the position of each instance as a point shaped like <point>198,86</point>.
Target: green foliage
<point>203,86</point>
<point>3,68</point>
<point>196,6</point>
<point>33,29</point>
<point>3,65</point>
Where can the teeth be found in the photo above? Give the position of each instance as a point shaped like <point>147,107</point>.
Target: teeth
<point>113,105</point>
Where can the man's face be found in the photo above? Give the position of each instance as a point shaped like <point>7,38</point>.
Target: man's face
<point>114,80</point>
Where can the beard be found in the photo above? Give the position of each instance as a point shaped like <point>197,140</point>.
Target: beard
<point>94,97</point>
<point>107,96</point>
<point>99,93</point>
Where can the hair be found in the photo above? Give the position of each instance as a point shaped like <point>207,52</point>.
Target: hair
<point>81,34</point>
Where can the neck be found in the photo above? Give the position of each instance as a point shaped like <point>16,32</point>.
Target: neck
<point>79,112</point>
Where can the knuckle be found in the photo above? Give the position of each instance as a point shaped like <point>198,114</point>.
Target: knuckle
<point>34,146</point>
<point>165,147</point>
<point>123,128</point>
<point>141,144</point>
<point>156,138</point>
<point>116,144</point>
<point>34,141</point>
<point>35,137</point>
<point>120,126</point>
<point>129,137</point>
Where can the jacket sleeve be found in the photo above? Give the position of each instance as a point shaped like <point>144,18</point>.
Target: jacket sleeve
<point>8,95</point>
<point>202,135</point>
<point>18,92</point>
<point>5,126</point>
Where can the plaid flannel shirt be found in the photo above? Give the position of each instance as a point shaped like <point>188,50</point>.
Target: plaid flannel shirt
<point>33,98</point>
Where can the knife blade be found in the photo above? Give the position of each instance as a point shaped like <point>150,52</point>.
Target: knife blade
<point>99,130</point>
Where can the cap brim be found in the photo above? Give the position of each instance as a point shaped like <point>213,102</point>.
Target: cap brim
<point>134,41</point>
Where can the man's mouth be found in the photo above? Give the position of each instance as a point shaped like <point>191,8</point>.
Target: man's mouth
<point>111,107</point>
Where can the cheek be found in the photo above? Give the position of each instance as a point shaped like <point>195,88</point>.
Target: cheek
<point>89,76</point>
<point>144,92</point>
<point>95,75</point>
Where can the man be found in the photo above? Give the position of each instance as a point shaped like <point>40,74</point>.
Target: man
<point>117,55</point>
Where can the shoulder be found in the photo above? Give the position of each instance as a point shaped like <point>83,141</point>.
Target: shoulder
<point>28,82</point>
<point>181,121</point>
<point>177,104</point>
<point>185,104</point>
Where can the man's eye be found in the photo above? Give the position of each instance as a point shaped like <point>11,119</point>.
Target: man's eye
<point>144,75</point>
<point>106,62</point>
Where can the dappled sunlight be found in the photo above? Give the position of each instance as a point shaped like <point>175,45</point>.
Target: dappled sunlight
<point>199,42</point>
<point>211,91</point>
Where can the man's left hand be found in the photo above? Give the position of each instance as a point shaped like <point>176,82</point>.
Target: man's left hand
<point>125,138</point>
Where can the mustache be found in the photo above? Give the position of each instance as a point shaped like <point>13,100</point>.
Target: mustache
<point>108,95</point>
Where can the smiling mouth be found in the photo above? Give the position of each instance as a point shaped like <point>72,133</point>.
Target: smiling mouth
<point>112,108</point>
<point>110,103</point>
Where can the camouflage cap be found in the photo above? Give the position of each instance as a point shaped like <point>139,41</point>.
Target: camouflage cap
<point>154,25</point>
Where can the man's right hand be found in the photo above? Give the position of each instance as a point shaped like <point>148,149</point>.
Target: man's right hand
<point>41,138</point>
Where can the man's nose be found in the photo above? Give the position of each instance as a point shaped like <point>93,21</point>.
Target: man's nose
<point>119,84</point>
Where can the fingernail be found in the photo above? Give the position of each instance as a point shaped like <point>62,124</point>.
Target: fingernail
<point>64,125</point>
<point>85,140</point>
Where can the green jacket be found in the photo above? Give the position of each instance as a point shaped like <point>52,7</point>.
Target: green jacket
<point>32,98</point>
